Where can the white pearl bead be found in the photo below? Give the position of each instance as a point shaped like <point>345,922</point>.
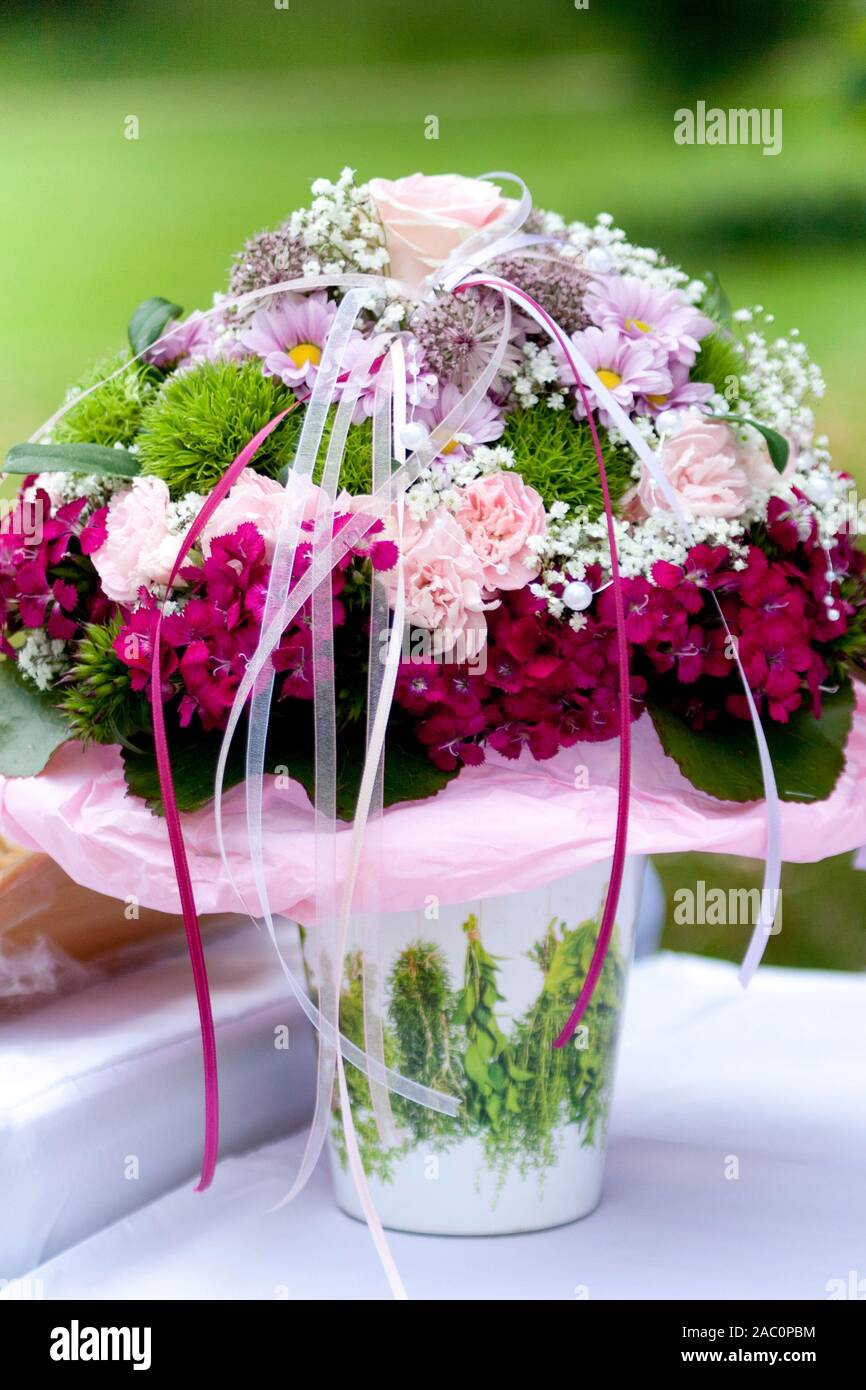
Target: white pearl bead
<point>833,614</point>
<point>413,435</point>
<point>598,260</point>
<point>577,595</point>
<point>668,422</point>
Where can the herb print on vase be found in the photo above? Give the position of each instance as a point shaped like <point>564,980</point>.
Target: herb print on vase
<point>473,1002</point>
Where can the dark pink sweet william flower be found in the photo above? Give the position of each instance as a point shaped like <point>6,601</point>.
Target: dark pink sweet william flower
<point>776,657</point>
<point>419,686</point>
<point>449,740</point>
<point>94,531</point>
<point>791,523</point>
<point>134,644</point>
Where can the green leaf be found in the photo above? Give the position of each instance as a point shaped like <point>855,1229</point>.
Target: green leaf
<point>31,727</point>
<point>474,1067</point>
<point>71,458</point>
<point>149,321</point>
<point>486,1046</point>
<point>777,445</point>
<point>497,1077</point>
<point>193,765</point>
<point>808,754</point>
<point>409,773</point>
<point>715,303</point>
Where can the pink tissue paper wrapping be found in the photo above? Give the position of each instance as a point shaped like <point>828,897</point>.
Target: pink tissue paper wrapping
<point>495,829</point>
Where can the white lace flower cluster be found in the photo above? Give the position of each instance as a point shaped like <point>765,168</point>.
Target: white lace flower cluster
<point>96,488</point>
<point>340,228</point>
<point>42,659</point>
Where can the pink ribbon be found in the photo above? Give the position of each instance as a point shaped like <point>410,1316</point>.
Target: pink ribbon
<point>172,815</point>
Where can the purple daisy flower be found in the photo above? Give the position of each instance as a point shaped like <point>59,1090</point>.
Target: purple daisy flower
<point>684,393</point>
<point>485,423</point>
<point>290,337</point>
<point>633,370</point>
<point>642,311</point>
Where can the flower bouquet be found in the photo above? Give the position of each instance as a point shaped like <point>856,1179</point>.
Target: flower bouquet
<point>440,497</point>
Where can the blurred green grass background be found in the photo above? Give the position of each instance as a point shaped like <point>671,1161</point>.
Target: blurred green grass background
<point>240,106</point>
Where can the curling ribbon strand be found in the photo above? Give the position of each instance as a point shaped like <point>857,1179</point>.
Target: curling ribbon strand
<point>172,815</point>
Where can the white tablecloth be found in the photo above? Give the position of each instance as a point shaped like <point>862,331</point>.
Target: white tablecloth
<point>101,1091</point>
<point>770,1083</point>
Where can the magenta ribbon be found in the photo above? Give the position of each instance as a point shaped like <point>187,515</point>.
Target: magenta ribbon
<point>620,843</point>
<point>172,815</point>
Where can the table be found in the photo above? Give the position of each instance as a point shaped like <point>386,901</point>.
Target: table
<point>736,1170</point>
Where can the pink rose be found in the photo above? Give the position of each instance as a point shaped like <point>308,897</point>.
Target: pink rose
<point>499,515</point>
<point>443,581</point>
<point>139,547</point>
<point>425,218</point>
<point>260,500</point>
<point>708,469</point>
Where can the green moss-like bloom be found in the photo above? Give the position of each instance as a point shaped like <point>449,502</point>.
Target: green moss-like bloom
<point>97,696</point>
<point>201,420</point>
<point>719,361</point>
<point>356,469</point>
<point>555,454</point>
<point>113,413</point>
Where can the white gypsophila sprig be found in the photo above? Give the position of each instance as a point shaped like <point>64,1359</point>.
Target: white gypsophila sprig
<point>574,541</point>
<point>95,488</point>
<point>42,659</point>
<point>181,514</point>
<point>340,229</point>
<point>440,483</point>
<point>535,379</point>
<point>607,251</point>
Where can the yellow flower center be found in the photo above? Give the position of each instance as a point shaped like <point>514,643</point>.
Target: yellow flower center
<point>608,379</point>
<point>657,401</point>
<point>302,353</point>
<point>449,447</point>
<point>638,324</point>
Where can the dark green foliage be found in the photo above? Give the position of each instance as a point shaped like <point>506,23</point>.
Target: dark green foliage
<point>555,454</point>
<point>150,321</point>
<point>422,1002</point>
<point>113,413</point>
<point>378,1161</point>
<point>492,1075</point>
<point>518,1091</point>
<point>201,419</point>
<point>808,754</point>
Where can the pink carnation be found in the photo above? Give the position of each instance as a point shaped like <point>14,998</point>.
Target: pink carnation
<point>500,515</point>
<point>139,548</point>
<point>252,498</point>
<point>709,470</point>
<point>444,582</point>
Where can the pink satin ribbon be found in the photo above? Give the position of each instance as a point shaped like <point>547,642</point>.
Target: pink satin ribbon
<point>172,815</point>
